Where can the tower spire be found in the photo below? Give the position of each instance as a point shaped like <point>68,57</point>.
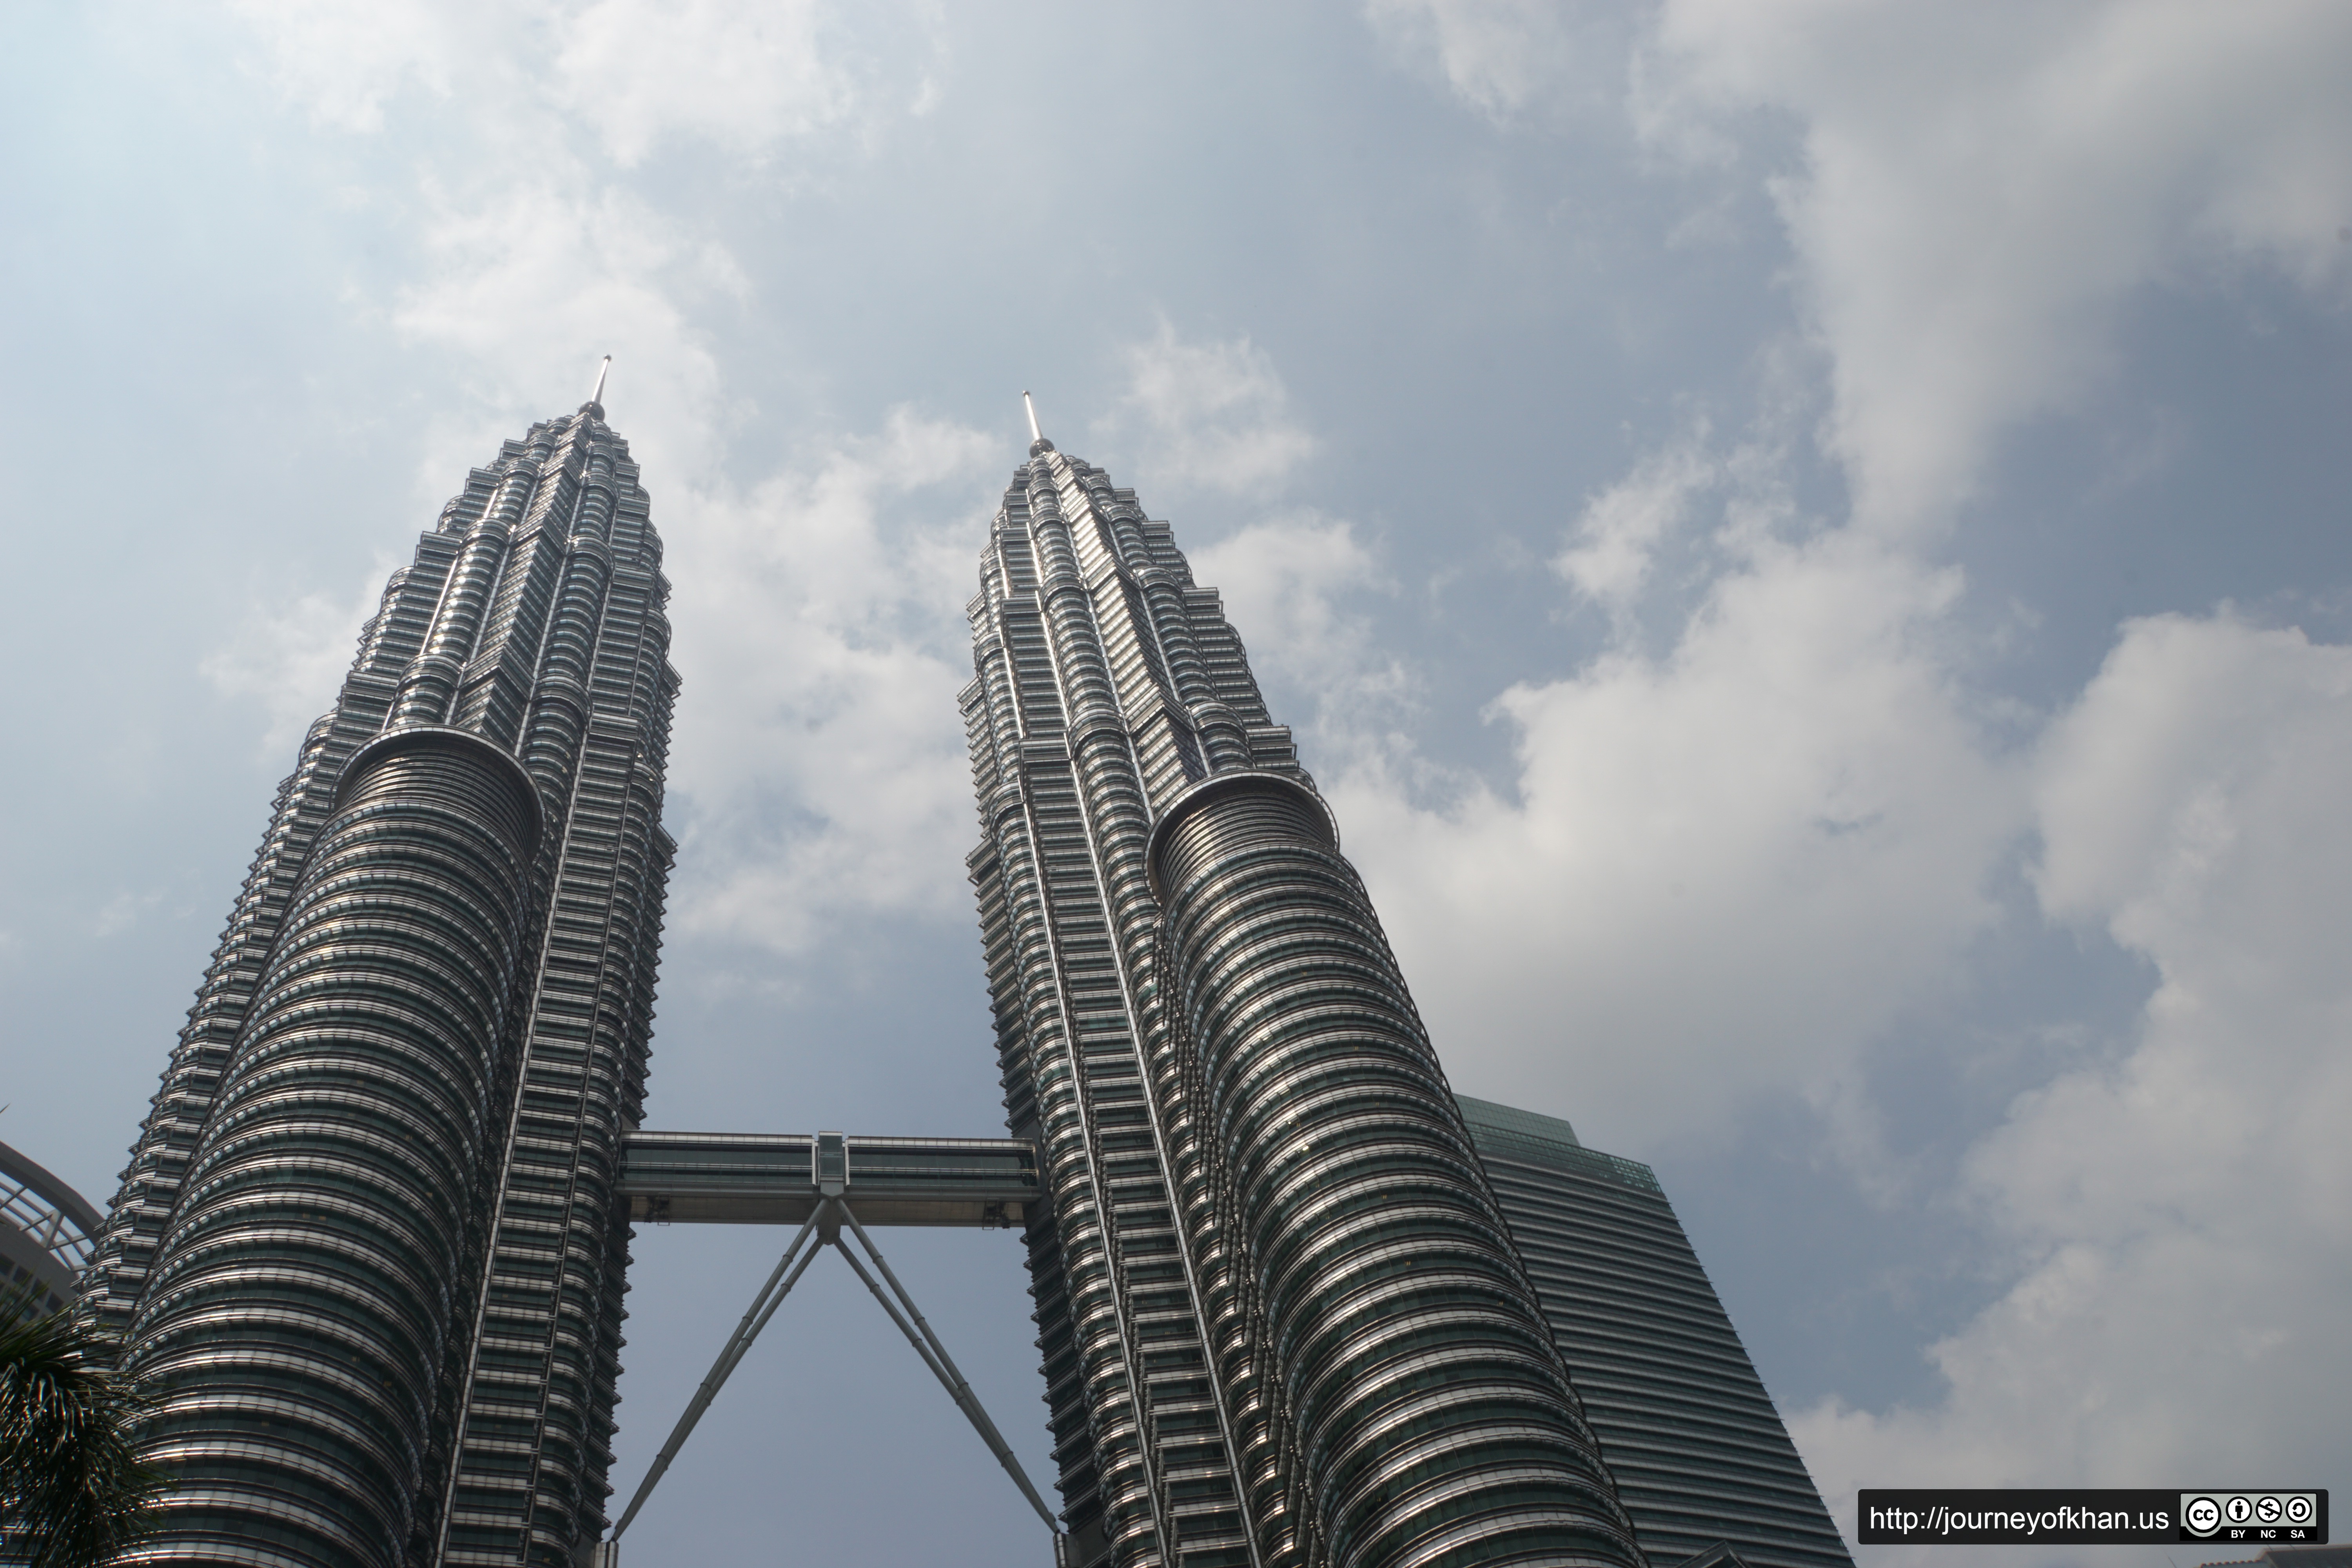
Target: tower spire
<point>1037,442</point>
<point>596,398</point>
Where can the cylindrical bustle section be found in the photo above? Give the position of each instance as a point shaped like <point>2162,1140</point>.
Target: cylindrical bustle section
<point>295,1322</point>
<point>1431,1416</point>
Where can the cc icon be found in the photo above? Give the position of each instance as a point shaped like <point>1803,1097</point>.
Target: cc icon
<point>2202,1515</point>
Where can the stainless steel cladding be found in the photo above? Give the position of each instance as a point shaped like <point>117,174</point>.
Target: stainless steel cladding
<point>298,1313</point>
<point>1106,682</point>
<point>369,1241</point>
<point>1281,1320</point>
<point>1425,1402</point>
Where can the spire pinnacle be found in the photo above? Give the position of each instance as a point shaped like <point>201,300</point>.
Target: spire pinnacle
<point>597,399</point>
<point>1037,442</point>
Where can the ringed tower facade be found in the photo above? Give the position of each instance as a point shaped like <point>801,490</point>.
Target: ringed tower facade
<point>1282,1320</point>
<point>368,1250</point>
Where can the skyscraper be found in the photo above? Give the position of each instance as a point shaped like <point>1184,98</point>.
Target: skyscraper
<point>1281,1317</point>
<point>1698,1451</point>
<point>367,1248</point>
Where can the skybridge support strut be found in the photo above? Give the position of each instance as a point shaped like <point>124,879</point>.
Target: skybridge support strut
<point>825,1223</point>
<point>755,1318</point>
<point>942,1365</point>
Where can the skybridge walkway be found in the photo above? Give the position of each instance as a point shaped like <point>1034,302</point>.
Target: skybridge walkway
<point>755,1178</point>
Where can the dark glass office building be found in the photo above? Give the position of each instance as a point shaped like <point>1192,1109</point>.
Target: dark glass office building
<point>1698,1451</point>
<point>368,1249</point>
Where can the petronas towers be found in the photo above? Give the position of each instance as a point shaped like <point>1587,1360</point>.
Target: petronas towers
<point>370,1251</point>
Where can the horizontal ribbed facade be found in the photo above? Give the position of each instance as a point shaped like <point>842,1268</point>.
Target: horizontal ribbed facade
<point>1697,1448</point>
<point>1281,1319</point>
<point>368,1249</point>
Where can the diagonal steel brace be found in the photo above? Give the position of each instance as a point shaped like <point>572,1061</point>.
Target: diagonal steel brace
<point>826,1222</point>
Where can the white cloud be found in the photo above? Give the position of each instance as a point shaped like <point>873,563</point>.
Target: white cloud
<point>743,74</point>
<point>535,259</point>
<point>1509,58</point>
<point>819,636</point>
<point>539,256</point>
<point>1498,54</point>
<point>1615,540</point>
<point>1985,186</point>
<point>1212,415</point>
<point>2181,1216</point>
<point>533,281</point>
<point>340,64</point>
<point>1286,584</point>
<point>290,655</point>
<point>1983,189</point>
<point>1726,868</point>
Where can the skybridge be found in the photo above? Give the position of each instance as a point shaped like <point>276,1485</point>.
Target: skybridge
<point>751,1178</point>
<point>824,1185</point>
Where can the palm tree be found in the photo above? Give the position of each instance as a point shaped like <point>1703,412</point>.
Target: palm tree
<point>72,1493</point>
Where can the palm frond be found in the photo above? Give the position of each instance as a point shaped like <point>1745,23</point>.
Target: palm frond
<point>72,1490</point>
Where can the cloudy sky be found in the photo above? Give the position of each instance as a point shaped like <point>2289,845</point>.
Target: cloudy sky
<point>1806,541</point>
